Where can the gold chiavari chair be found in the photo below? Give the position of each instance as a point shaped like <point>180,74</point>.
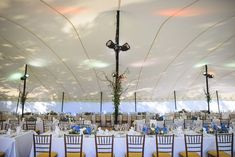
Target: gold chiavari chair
<point>169,123</point>
<point>225,122</point>
<point>30,125</point>
<point>188,123</point>
<point>124,118</point>
<point>2,154</point>
<point>73,146</point>
<point>206,122</point>
<point>224,146</point>
<point>164,146</point>
<point>193,146</point>
<point>2,125</point>
<point>98,119</point>
<point>133,118</point>
<point>47,125</point>
<point>42,146</point>
<point>104,146</point>
<point>13,124</point>
<point>135,145</point>
<point>108,120</point>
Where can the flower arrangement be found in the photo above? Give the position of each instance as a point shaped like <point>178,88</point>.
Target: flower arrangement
<point>37,131</point>
<point>215,129</point>
<point>77,129</point>
<point>159,130</point>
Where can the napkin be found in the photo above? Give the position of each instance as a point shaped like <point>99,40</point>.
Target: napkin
<point>39,119</point>
<point>131,131</point>
<point>18,130</point>
<point>100,131</point>
<point>57,131</point>
<point>106,132</point>
<point>9,131</point>
<point>204,130</point>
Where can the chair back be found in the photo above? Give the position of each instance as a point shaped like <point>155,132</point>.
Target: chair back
<point>164,144</point>
<point>193,143</point>
<point>104,145</point>
<point>124,118</point>
<point>73,144</point>
<point>42,144</point>
<point>225,122</point>
<point>169,123</point>
<point>135,144</point>
<point>188,123</point>
<point>30,125</point>
<point>108,120</point>
<point>2,125</point>
<point>64,125</point>
<point>133,118</point>
<point>47,125</point>
<point>98,119</point>
<point>13,124</point>
<point>224,142</point>
<point>206,123</point>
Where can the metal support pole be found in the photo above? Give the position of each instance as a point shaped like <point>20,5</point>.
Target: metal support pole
<point>101,101</point>
<point>23,97</point>
<point>18,101</point>
<point>117,50</point>
<point>62,104</point>
<point>217,98</point>
<point>175,100</point>
<point>207,88</point>
<point>135,102</point>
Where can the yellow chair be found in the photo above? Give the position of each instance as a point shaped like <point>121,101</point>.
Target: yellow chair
<point>135,145</point>
<point>224,146</point>
<point>2,154</point>
<point>193,146</point>
<point>104,146</point>
<point>73,146</point>
<point>30,124</point>
<point>42,146</point>
<point>47,125</point>
<point>164,146</point>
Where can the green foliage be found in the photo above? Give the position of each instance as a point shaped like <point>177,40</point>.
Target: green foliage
<point>117,90</point>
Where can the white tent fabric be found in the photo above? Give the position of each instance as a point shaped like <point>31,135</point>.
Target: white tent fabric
<point>63,42</point>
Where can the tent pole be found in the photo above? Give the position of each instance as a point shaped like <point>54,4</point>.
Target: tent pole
<point>175,100</point>
<point>217,98</point>
<point>62,104</point>
<point>135,102</point>
<point>101,101</point>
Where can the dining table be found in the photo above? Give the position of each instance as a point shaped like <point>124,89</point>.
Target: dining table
<point>120,144</point>
<point>16,144</point>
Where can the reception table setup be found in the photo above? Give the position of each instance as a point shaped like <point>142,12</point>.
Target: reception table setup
<point>16,144</point>
<point>141,78</point>
<point>120,144</point>
<point>149,130</point>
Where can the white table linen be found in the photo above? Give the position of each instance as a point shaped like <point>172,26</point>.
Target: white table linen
<point>16,145</point>
<point>120,145</point>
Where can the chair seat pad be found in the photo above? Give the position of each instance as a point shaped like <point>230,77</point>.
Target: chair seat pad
<point>53,154</point>
<point>75,154</point>
<point>190,154</point>
<point>2,154</point>
<point>105,155</point>
<point>132,154</point>
<point>161,154</point>
<point>221,153</point>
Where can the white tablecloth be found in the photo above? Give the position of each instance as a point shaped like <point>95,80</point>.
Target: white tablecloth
<point>120,146</point>
<point>16,146</point>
